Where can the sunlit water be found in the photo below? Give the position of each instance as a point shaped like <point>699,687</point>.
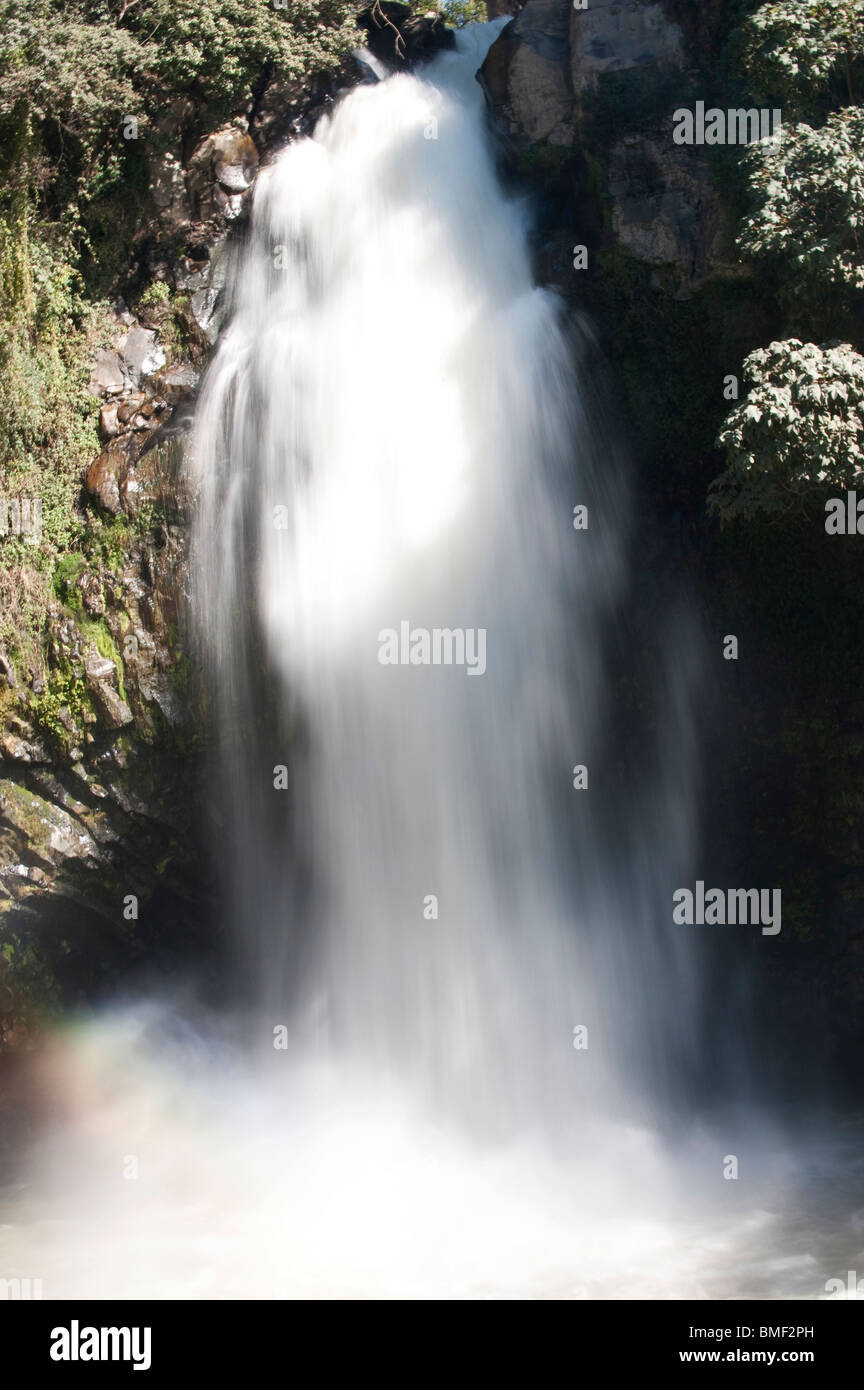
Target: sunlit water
<point>396,428</point>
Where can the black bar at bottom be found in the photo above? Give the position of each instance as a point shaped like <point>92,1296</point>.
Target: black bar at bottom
<point>220,1339</point>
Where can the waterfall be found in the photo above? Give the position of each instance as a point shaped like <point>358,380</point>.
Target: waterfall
<point>470,1015</point>
<point>391,444</point>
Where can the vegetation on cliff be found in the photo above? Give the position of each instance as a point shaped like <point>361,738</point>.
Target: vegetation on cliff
<point>801,426</point>
<point>94,96</point>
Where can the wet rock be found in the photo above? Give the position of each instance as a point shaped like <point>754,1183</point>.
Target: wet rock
<point>228,205</point>
<point>109,423</point>
<point>206,301</point>
<point>142,413</point>
<point>16,749</point>
<point>127,409</point>
<point>51,834</point>
<point>142,355</point>
<point>98,668</point>
<point>106,474</point>
<point>109,376</point>
<point>113,709</point>
<point>221,171</point>
<point>191,276</point>
<point>178,383</point>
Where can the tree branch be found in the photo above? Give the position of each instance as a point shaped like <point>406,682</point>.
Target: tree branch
<point>377,13</point>
<point>127,5</point>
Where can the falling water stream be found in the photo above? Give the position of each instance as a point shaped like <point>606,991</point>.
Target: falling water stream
<point>465,1004</point>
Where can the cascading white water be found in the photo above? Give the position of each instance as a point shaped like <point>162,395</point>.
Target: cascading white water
<point>394,434</point>
<point>395,429</point>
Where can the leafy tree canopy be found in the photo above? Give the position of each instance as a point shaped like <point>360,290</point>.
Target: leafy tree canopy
<point>799,429</point>
<point>793,49</point>
<point>810,194</point>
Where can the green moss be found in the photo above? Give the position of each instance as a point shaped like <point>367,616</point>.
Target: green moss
<point>64,700</point>
<point>98,632</point>
<point>67,572</point>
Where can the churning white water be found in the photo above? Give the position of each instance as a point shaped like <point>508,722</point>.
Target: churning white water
<point>389,451</point>
<point>389,448</point>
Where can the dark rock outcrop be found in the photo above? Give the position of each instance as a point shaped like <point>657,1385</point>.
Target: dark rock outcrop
<point>548,78</point>
<point>402,39</point>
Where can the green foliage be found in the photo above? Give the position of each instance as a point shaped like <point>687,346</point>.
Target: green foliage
<point>48,335</point>
<point>73,70</point>
<point>63,708</point>
<point>791,49</point>
<point>162,308</point>
<point>97,632</point>
<point>799,430</point>
<point>457,13</point>
<point>810,194</point>
<point>221,49</point>
<point>71,74</point>
<point>67,77</point>
<point>159,292</point>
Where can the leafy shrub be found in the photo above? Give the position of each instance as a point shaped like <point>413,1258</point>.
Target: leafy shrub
<point>792,49</point>
<point>799,430</point>
<point>810,194</point>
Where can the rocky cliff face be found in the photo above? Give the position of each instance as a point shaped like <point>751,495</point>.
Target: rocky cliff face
<point>97,780</point>
<point>601,85</point>
<point>100,796</point>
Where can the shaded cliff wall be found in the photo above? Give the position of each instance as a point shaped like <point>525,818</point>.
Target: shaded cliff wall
<point>583,101</point>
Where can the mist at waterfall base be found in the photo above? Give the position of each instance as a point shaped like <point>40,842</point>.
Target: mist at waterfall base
<point>396,428</point>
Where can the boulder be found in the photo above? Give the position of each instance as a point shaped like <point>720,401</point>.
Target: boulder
<point>110,376</point>
<point>109,423</point>
<point>142,354</point>
<point>178,383</point>
<point>221,172</point>
<point>113,709</point>
<point>527,75</point>
<point>108,471</point>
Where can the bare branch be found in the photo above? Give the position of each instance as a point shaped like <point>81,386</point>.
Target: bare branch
<point>377,13</point>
